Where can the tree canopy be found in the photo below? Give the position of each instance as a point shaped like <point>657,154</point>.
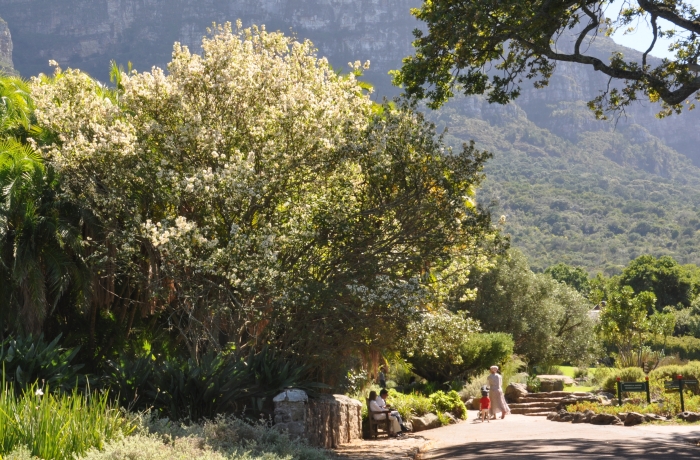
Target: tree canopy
<point>489,47</point>
<point>549,321</point>
<point>252,196</point>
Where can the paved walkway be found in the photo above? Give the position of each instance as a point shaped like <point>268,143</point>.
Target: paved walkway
<point>522,437</point>
<point>383,448</point>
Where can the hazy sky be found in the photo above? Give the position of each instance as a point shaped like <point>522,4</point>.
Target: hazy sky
<point>642,37</point>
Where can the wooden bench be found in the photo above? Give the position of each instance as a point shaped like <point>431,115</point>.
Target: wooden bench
<point>375,425</point>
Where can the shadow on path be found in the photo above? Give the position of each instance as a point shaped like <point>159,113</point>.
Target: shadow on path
<point>674,447</point>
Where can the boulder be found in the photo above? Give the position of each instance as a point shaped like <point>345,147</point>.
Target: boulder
<point>516,392</point>
<point>605,419</point>
<point>654,417</point>
<point>689,416</point>
<point>580,417</point>
<point>408,425</point>
<point>547,386</point>
<point>573,399</point>
<point>634,418</point>
<point>476,404</point>
<point>468,403</point>
<point>553,416</point>
<point>426,422</point>
<point>451,418</point>
<point>566,417</point>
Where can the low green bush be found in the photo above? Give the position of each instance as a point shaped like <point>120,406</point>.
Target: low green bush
<point>533,384</point>
<point>449,402</point>
<point>601,374</point>
<point>689,371</point>
<point>220,439</point>
<point>628,374</point>
<point>410,404</point>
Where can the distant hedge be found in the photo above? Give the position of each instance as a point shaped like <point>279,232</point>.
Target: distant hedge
<point>686,347</point>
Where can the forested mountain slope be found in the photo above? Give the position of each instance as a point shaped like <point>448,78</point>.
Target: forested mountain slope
<point>598,200</point>
<point>575,189</point>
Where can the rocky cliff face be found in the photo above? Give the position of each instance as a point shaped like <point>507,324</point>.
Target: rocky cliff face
<point>89,33</point>
<point>5,47</point>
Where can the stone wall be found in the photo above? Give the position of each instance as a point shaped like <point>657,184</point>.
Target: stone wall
<point>327,421</point>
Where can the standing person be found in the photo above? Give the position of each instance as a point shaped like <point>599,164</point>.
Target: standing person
<point>484,406</point>
<point>382,377</point>
<point>498,400</point>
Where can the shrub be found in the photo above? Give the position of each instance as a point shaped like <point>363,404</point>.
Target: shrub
<point>221,439</point>
<point>686,347</point>
<point>690,371</point>
<point>580,372</point>
<point>601,374</point>
<point>473,388</point>
<point>449,402</point>
<point>449,349</point>
<point>415,404</point>
<point>533,384</point>
<point>195,390</point>
<point>628,374</point>
<point>27,360</point>
<point>410,404</point>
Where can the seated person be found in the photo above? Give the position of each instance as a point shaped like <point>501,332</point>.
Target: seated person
<point>381,401</point>
<point>380,414</point>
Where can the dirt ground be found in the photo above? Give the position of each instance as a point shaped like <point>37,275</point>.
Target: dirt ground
<point>522,437</point>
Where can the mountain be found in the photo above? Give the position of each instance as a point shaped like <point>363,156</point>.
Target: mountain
<point>574,189</point>
<point>5,48</point>
<point>89,33</point>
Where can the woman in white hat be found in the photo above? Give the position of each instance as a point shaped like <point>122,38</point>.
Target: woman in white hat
<point>498,400</point>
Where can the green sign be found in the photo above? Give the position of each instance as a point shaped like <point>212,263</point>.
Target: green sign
<point>633,386</point>
<point>676,384</point>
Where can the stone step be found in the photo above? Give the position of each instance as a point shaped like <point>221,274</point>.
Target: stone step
<point>534,400</point>
<point>557,394</point>
<point>538,414</point>
<point>535,404</point>
<point>530,410</point>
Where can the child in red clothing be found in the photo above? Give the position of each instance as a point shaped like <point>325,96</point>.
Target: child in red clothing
<point>484,406</point>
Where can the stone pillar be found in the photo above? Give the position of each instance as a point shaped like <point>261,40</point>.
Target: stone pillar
<point>290,412</point>
<point>327,421</point>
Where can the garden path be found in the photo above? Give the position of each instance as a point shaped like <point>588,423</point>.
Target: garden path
<point>522,437</point>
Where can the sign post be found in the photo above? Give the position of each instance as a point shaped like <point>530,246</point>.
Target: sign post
<point>679,384</point>
<point>633,387</point>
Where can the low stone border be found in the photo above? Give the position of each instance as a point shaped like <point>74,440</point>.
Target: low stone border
<point>623,418</point>
<point>408,447</point>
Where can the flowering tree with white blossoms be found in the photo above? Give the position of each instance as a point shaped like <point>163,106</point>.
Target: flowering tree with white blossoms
<point>252,196</point>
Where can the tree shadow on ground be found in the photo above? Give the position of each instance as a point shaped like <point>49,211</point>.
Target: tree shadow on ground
<point>677,447</point>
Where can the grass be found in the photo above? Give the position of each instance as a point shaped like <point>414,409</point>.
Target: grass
<point>56,426</point>
<point>569,371</point>
<point>575,389</point>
